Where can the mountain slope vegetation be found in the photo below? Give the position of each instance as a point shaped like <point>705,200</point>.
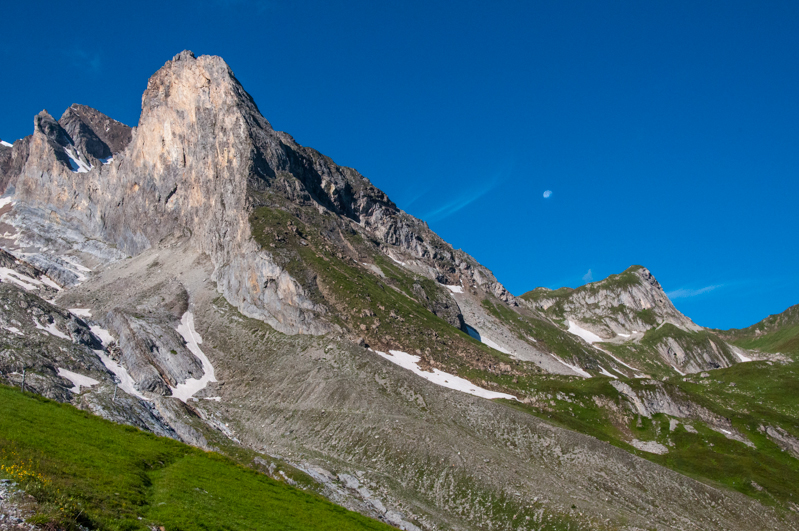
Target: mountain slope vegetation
<point>206,278</point>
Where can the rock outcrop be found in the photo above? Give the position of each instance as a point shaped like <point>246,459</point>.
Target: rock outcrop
<point>632,301</point>
<point>200,158</point>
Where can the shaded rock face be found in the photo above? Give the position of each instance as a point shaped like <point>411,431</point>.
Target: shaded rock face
<point>693,357</point>
<point>12,160</point>
<point>43,340</point>
<point>102,136</point>
<point>200,159</point>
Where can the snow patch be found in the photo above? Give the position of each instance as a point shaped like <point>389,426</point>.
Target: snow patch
<point>52,329</point>
<point>589,337</point>
<point>410,362</point>
<point>47,281</point>
<point>575,368</point>
<point>617,359</point>
<point>126,382</point>
<point>14,330</point>
<point>6,200</point>
<point>606,373</point>
<point>6,144</point>
<point>192,386</point>
<point>76,265</point>
<point>77,165</point>
<point>102,334</point>
<point>78,380</point>
<point>741,357</point>
<point>678,370</point>
<point>488,342</point>
<point>400,263</point>
<point>454,289</point>
<point>622,335</point>
<point>81,312</point>
<point>108,160</point>
<point>24,281</point>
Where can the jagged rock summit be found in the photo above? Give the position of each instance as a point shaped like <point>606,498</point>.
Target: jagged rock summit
<point>205,277</point>
<point>629,302</point>
<point>201,158</point>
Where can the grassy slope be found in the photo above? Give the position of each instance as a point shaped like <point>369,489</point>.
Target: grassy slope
<point>389,308</point>
<point>775,333</point>
<point>707,455</point>
<point>86,470</point>
<point>622,280</point>
<point>761,394</point>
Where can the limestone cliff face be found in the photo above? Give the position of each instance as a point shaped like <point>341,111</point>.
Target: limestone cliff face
<point>632,301</point>
<point>631,311</point>
<point>201,157</point>
<point>185,172</point>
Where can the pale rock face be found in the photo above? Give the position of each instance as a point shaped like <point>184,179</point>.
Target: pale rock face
<point>200,159</point>
<point>185,172</point>
<point>608,309</point>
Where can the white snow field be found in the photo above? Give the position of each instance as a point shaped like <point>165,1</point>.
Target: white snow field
<point>81,312</point>
<point>191,386</point>
<point>606,373</point>
<point>410,362</point>
<point>126,383</point>
<point>24,281</point>
<point>454,289</point>
<point>575,368</point>
<point>488,342</point>
<point>76,164</point>
<point>78,380</point>
<point>102,334</point>
<point>6,144</point>
<point>589,337</point>
<point>51,329</point>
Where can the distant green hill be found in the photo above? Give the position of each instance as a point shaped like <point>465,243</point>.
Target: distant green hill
<point>775,333</point>
<point>85,470</point>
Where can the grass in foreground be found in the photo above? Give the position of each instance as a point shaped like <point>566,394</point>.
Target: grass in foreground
<point>85,470</point>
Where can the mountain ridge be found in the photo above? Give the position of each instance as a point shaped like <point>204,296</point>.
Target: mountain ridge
<point>332,320</point>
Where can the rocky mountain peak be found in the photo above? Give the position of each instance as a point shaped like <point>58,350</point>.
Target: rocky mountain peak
<point>103,136</point>
<point>201,158</point>
<point>629,302</point>
<point>185,55</point>
<point>45,124</point>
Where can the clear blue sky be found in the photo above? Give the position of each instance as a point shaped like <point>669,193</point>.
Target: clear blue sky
<point>666,131</point>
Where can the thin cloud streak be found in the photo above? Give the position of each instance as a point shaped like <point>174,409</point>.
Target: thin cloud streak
<point>588,277</point>
<point>684,293</point>
<point>413,199</point>
<point>84,60</point>
<point>462,202</point>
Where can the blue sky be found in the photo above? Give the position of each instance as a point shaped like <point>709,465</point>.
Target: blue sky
<point>666,132</point>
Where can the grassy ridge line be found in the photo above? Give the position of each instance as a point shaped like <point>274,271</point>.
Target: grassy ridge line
<point>387,311</point>
<point>85,470</point>
<point>777,333</point>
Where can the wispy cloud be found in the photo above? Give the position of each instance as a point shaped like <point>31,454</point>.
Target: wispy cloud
<point>462,201</point>
<point>412,200</point>
<point>684,293</point>
<point>84,60</point>
<point>588,277</point>
<point>547,194</point>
